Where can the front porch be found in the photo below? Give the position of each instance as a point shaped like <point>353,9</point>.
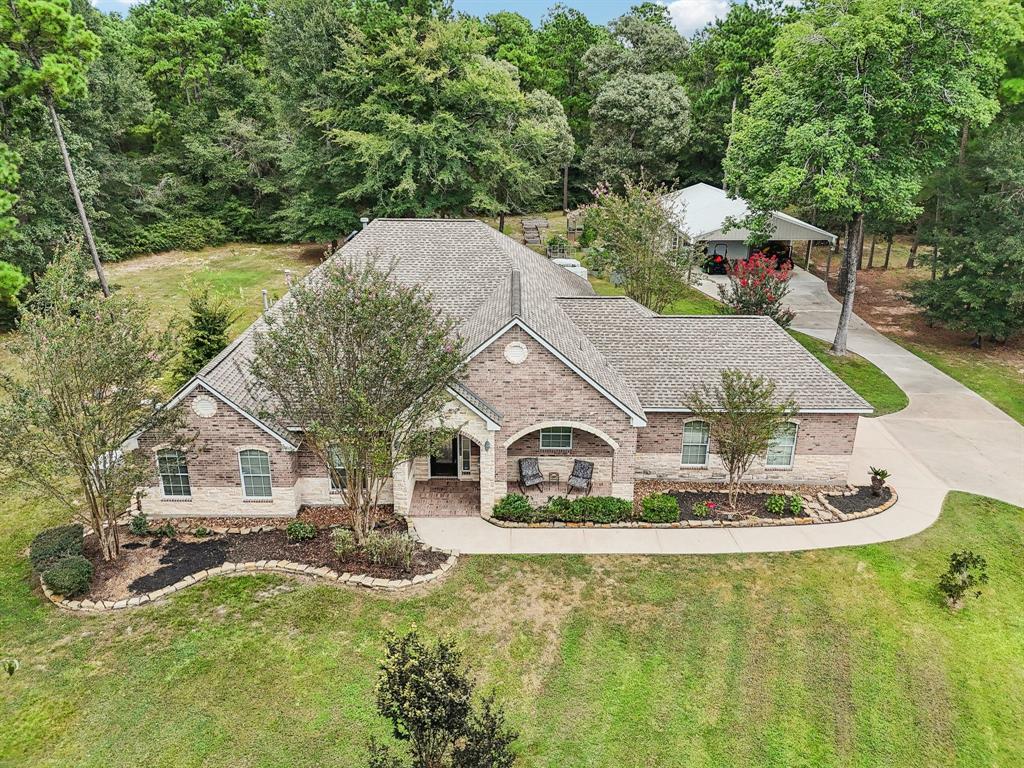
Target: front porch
<point>445,497</point>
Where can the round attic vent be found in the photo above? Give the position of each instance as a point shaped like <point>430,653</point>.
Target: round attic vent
<point>516,352</point>
<point>204,406</point>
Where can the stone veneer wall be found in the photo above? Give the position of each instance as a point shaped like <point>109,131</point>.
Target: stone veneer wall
<point>824,443</point>
<point>542,390</point>
<point>585,445</point>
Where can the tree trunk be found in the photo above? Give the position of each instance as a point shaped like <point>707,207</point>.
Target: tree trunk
<point>935,239</point>
<point>871,252</point>
<point>965,134</point>
<point>565,189</point>
<point>888,250</point>
<point>807,257</point>
<point>854,243</point>
<point>728,140</point>
<point>912,259</point>
<point>828,266</point>
<point>75,193</point>
<point>501,223</point>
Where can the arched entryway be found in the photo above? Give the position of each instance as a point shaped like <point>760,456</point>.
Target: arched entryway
<point>447,484</point>
<point>557,445</point>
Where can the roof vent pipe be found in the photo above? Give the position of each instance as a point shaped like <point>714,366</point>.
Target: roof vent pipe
<point>364,220</point>
<point>288,278</point>
<point>266,301</point>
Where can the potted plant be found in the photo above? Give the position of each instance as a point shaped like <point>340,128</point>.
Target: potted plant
<point>878,478</point>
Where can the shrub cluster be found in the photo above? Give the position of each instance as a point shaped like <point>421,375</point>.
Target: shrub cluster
<point>703,509</point>
<point>138,525</point>
<point>188,233</point>
<point>781,504</point>
<point>70,576</point>
<point>299,530</point>
<point>659,508</point>
<point>516,508</point>
<point>344,542</point>
<point>54,544</point>
<point>392,549</point>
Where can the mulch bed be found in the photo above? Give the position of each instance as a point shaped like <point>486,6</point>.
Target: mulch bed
<point>861,500</point>
<point>747,505</point>
<point>320,516</point>
<point>150,563</point>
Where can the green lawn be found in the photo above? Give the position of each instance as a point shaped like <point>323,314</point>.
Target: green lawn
<point>828,658</point>
<point>862,376</point>
<point>692,302</point>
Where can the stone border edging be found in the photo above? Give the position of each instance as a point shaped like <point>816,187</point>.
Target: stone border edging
<point>746,522</point>
<point>843,516</point>
<point>257,566</point>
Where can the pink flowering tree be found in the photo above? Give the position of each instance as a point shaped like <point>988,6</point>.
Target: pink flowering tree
<point>359,365</point>
<point>89,374</point>
<point>757,286</point>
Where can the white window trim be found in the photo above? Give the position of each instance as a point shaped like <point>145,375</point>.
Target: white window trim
<point>540,440</point>
<point>241,476</point>
<point>682,448</point>
<point>465,445</point>
<point>164,496</point>
<point>792,456</point>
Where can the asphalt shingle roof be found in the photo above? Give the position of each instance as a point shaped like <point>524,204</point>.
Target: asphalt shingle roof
<point>641,359</point>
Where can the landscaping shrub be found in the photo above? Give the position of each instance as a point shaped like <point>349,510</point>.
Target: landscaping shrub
<point>514,508</point>
<point>164,531</point>
<point>603,509</point>
<point>775,504</point>
<point>757,287</point>
<point>796,505</point>
<point>659,508</point>
<point>392,549</point>
<point>138,525</point>
<point>70,576</point>
<point>299,530</point>
<point>966,573</point>
<point>703,509</point>
<point>344,542</point>
<point>560,509</point>
<point>201,531</point>
<point>53,544</point>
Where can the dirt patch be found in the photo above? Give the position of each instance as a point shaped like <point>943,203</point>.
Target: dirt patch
<point>861,500</point>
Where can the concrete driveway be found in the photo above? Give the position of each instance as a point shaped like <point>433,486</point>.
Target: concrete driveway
<point>948,438</point>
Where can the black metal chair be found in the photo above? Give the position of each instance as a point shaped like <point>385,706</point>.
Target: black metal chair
<point>530,474</point>
<point>581,478</point>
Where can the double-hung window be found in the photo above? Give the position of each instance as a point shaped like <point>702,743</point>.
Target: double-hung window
<point>173,470</point>
<point>556,438</point>
<point>782,447</point>
<point>255,468</point>
<point>696,436</point>
<point>339,477</point>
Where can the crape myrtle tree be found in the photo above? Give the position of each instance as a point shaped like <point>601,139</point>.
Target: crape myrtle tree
<point>640,243</point>
<point>743,414</point>
<point>90,376</point>
<point>361,366</point>
<point>859,101</point>
<point>981,291</point>
<point>52,49</point>
<point>427,693</point>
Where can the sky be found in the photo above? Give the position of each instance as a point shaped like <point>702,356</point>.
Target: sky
<point>687,15</point>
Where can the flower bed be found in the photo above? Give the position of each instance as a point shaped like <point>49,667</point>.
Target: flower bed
<point>152,565</point>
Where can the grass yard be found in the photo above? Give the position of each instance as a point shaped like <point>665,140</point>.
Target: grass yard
<point>862,376</point>
<point>828,658</point>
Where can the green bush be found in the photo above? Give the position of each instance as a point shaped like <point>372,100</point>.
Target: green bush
<point>796,504</point>
<point>603,509</point>
<point>299,530</point>
<point>54,544</point>
<point>514,508</point>
<point>703,509</point>
<point>560,509</point>
<point>659,508</point>
<point>165,531</point>
<point>138,525</point>
<point>70,576</point>
<point>344,542</point>
<point>392,549</point>
<point>775,504</point>
<point>201,531</point>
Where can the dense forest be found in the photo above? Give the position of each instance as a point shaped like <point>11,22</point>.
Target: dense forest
<point>197,122</point>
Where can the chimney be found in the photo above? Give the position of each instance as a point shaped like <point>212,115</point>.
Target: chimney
<point>516,295</point>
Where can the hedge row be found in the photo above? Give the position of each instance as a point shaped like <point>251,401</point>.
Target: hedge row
<point>516,508</point>
<point>56,554</point>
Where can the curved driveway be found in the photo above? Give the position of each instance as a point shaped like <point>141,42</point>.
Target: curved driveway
<point>948,438</point>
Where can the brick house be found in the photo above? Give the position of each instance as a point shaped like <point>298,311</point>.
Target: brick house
<point>554,372</point>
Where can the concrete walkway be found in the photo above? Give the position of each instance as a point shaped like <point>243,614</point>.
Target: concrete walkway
<point>947,438</point>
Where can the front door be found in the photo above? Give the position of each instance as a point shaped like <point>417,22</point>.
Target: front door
<point>445,463</point>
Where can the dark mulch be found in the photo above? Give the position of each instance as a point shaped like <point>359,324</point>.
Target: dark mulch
<point>320,516</point>
<point>747,504</point>
<point>179,559</point>
<point>861,500</point>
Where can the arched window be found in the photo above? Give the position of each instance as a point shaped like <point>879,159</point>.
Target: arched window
<point>695,444</point>
<point>173,470</point>
<point>255,467</point>
<point>782,447</point>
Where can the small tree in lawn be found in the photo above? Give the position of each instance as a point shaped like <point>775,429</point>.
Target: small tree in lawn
<point>757,286</point>
<point>361,365</point>
<point>205,333</point>
<point>967,573</point>
<point>641,243</point>
<point>90,376</point>
<point>427,694</point>
<point>743,414</point>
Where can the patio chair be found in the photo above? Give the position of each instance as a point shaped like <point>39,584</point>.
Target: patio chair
<point>530,474</point>
<point>581,478</point>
